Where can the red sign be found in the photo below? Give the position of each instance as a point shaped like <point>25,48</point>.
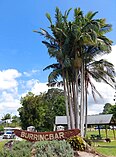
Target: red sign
<point>46,136</point>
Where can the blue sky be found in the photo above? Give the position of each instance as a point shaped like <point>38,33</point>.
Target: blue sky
<point>22,55</point>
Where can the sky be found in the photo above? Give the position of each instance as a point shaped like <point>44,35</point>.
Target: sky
<point>23,56</point>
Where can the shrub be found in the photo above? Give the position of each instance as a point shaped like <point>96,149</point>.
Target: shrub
<point>52,149</point>
<point>77,143</point>
<point>38,149</point>
<point>88,141</point>
<point>1,128</point>
<point>19,149</point>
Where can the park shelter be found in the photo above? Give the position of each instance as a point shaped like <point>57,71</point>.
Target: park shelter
<point>93,120</point>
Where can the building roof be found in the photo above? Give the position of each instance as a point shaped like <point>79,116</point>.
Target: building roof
<point>91,119</point>
<point>100,119</point>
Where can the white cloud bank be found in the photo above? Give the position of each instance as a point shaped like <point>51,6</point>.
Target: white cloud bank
<point>12,87</point>
<point>9,99</point>
<point>8,79</point>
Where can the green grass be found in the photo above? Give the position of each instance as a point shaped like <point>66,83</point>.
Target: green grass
<point>2,144</point>
<point>103,134</point>
<point>103,147</point>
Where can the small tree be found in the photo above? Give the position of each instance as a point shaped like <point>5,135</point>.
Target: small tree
<point>106,108</point>
<point>40,110</point>
<point>16,120</point>
<point>7,116</point>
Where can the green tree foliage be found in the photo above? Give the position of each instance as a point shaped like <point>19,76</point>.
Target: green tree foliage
<point>40,110</point>
<point>54,99</point>
<point>15,120</point>
<point>32,111</point>
<point>113,111</point>
<point>109,109</point>
<point>6,116</point>
<point>106,108</point>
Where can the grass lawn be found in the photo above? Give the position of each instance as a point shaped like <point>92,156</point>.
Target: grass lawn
<point>103,134</point>
<point>2,144</point>
<point>105,148</point>
<point>102,147</point>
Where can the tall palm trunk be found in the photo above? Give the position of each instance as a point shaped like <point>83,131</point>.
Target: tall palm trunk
<point>77,66</point>
<point>66,102</point>
<point>70,102</point>
<point>76,100</point>
<point>86,110</point>
<point>82,101</point>
<point>73,101</point>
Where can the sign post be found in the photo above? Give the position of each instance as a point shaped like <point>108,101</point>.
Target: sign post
<point>46,136</point>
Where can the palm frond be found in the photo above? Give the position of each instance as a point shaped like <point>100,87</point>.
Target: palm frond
<point>102,76</point>
<point>58,16</point>
<point>61,32</point>
<point>50,45</point>
<point>66,13</point>
<point>90,15</point>
<point>78,13</point>
<point>106,28</point>
<point>49,18</point>
<point>46,43</point>
<point>53,76</point>
<point>52,66</point>
<point>46,35</point>
<point>57,83</point>
<point>94,91</point>
<point>104,47</point>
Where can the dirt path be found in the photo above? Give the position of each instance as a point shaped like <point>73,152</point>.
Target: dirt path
<point>85,154</point>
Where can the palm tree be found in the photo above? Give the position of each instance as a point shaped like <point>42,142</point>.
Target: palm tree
<point>92,38</point>
<point>75,45</point>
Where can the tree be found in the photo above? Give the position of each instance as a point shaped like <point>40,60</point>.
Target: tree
<point>54,99</point>
<point>32,111</point>
<point>15,120</point>
<point>6,119</point>
<point>112,110</point>
<point>75,45</point>
<point>40,110</point>
<point>7,116</point>
<point>107,108</point>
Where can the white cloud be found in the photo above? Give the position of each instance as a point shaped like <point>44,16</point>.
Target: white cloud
<point>39,88</point>
<point>9,99</point>
<point>34,86</point>
<point>30,73</point>
<point>8,79</point>
<point>95,109</point>
<point>10,87</point>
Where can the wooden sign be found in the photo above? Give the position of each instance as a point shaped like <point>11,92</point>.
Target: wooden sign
<point>46,136</point>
